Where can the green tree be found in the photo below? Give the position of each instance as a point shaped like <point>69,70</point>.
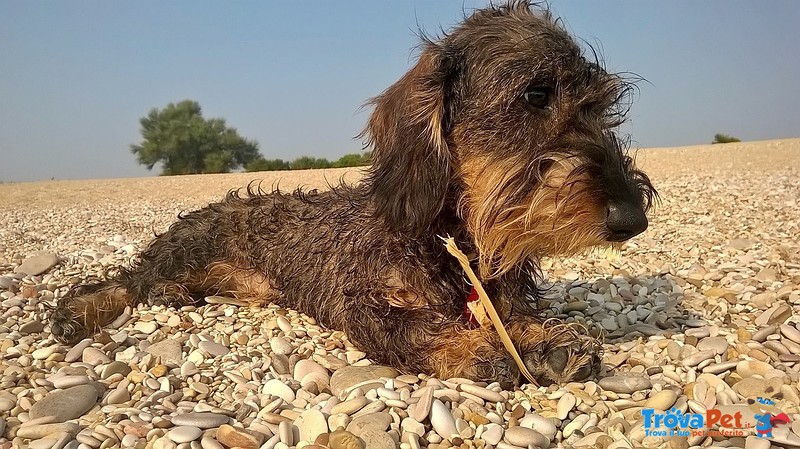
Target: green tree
<point>261,164</point>
<point>184,142</point>
<point>306,162</point>
<point>353,160</point>
<point>724,138</point>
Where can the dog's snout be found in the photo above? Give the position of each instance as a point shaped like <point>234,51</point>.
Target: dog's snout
<point>624,221</point>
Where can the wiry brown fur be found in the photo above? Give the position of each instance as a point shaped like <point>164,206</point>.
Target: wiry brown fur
<point>456,151</point>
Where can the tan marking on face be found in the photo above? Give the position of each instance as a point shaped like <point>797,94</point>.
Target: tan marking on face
<point>557,218</point>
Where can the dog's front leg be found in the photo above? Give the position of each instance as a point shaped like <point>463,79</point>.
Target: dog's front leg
<point>423,340</point>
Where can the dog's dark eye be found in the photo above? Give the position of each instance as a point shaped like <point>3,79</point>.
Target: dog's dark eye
<point>537,96</point>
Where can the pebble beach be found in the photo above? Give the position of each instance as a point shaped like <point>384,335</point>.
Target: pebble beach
<point>697,315</point>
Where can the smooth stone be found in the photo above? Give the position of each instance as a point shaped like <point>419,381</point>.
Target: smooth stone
<point>350,406</point>
<point>146,327</point>
<point>565,405</point>
<point>275,387</point>
<point>442,420</point>
<point>38,264</point>
<point>115,367</point>
<point>44,443</point>
<point>285,433</point>
<point>348,376</point>
<point>65,404</point>
<point>754,442</point>
<point>235,437</point>
<point>374,439</point>
<point>118,396</point>
<point>311,424</point>
<point>42,430</point>
<point>412,426</point>
<point>790,332</point>
<point>307,366</point>
<point>65,382</point>
<point>717,344</point>
<point>280,345</point>
<point>210,443</point>
<point>213,348</point>
<point>31,327</point>
<point>492,434</point>
<point>199,419</point>
<point>167,350</point>
<point>94,356</point>
<point>43,353</point>
<point>77,351</point>
<point>164,443</point>
<point>184,434</point>
<point>661,400</point>
<point>747,368</point>
<point>540,424</point>
<point>284,324</point>
<point>7,403</point>
<point>372,421</point>
<point>423,407</point>
<point>483,393</point>
<point>342,439</point>
<point>524,437</point>
<point>625,383</point>
<point>698,357</point>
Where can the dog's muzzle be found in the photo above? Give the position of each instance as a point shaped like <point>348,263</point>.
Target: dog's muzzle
<point>624,221</point>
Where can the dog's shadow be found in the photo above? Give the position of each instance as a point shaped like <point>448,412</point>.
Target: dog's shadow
<point>623,308</point>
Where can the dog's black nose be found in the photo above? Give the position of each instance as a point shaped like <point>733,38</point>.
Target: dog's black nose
<point>624,220</point>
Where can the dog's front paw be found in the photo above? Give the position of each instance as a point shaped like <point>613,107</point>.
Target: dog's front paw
<point>555,353</point>
<point>503,371</point>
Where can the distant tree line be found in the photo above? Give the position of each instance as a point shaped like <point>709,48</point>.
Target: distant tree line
<point>306,162</point>
<point>184,142</point>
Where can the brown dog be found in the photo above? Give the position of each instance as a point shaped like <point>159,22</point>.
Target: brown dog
<point>502,135</point>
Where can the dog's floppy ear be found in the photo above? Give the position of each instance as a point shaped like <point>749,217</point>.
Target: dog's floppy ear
<point>410,172</point>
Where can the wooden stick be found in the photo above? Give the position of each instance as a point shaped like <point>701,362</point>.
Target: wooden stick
<point>452,248</point>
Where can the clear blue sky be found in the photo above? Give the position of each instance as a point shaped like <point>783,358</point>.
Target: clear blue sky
<point>75,76</point>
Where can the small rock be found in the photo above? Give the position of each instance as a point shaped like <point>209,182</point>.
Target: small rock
<point>280,345</point>
<point>423,407</point>
<point>372,421</point>
<point>184,434</point>
<point>717,344</point>
<point>348,376</point>
<point>662,400</point>
<point>38,264</point>
<point>540,424</point>
<point>565,405</point>
<point>275,387</point>
<point>201,420</point>
<point>311,424</point>
<point>66,404</point>
<point>31,327</point>
<point>374,439</point>
<point>235,437</point>
<point>167,350</point>
<point>94,356</point>
<point>213,348</point>
<point>524,437</point>
<point>342,439</point>
<point>492,434</point>
<point>625,383</point>
<point>41,430</point>
<point>442,420</point>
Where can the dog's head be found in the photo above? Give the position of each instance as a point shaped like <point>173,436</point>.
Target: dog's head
<point>508,119</point>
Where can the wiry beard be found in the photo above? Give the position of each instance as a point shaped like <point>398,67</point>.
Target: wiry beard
<point>559,216</point>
